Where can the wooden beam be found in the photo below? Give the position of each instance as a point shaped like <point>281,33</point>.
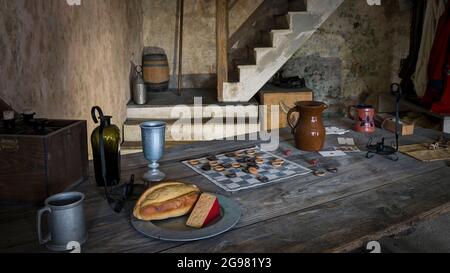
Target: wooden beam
<point>180,52</point>
<point>222,45</point>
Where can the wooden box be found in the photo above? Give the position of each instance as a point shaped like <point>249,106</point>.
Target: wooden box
<point>33,167</point>
<point>387,122</point>
<point>285,99</point>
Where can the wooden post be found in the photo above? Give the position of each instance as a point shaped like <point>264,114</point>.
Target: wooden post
<point>180,52</point>
<point>222,45</point>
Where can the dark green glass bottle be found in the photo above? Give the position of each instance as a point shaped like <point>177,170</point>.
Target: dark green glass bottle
<point>111,139</point>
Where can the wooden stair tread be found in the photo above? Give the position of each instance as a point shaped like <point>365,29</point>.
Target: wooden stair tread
<point>237,121</point>
<point>137,145</point>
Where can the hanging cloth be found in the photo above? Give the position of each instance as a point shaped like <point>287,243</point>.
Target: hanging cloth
<point>443,107</point>
<point>440,50</point>
<point>434,11</point>
<point>408,66</point>
<point>438,67</point>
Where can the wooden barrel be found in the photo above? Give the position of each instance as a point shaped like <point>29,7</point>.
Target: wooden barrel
<point>156,72</point>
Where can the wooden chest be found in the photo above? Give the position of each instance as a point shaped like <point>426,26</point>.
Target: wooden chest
<point>285,99</point>
<point>33,167</point>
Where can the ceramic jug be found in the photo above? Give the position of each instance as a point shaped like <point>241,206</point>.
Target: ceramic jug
<point>309,131</point>
<point>364,118</point>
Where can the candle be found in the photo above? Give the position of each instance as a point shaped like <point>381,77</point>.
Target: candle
<point>8,115</point>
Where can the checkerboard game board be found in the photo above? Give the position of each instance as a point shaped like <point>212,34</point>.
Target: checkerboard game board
<point>244,180</point>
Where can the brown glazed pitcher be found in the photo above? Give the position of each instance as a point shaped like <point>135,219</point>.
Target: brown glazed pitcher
<point>309,131</point>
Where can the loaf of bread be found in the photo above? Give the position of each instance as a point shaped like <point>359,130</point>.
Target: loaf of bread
<point>166,200</point>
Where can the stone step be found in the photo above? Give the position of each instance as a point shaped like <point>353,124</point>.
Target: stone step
<point>187,130</point>
<point>282,21</point>
<point>168,112</point>
<point>132,147</point>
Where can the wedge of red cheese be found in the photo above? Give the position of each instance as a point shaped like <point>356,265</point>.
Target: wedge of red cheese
<point>205,211</point>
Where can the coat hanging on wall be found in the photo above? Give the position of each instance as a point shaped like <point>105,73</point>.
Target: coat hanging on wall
<point>438,92</point>
<point>434,11</point>
<point>443,106</point>
<point>408,66</point>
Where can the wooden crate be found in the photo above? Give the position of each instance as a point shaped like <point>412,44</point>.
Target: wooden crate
<point>33,167</point>
<point>285,99</point>
<point>387,122</point>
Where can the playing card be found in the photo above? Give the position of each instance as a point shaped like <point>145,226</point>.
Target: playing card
<point>346,141</point>
<point>332,153</point>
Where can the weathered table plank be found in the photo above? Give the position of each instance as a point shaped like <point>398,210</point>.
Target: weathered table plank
<point>290,199</point>
<point>326,227</point>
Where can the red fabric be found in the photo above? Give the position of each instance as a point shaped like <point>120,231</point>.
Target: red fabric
<point>440,50</point>
<point>439,60</point>
<point>443,106</point>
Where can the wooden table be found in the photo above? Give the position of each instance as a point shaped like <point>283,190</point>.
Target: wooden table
<point>365,200</point>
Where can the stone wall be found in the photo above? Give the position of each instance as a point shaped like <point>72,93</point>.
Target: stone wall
<point>355,54</point>
<point>60,60</point>
<point>199,35</point>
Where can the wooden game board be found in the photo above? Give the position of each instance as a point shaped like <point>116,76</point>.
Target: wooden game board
<point>243,179</point>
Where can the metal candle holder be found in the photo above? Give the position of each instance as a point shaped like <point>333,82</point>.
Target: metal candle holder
<point>380,148</point>
<point>153,140</point>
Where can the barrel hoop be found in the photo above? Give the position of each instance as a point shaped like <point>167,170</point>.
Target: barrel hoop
<point>155,61</point>
<point>153,84</point>
<point>158,88</point>
<point>159,55</point>
<point>156,65</point>
<point>155,57</point>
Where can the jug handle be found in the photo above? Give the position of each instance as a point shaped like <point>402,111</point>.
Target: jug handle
<point>94,111</point>
<point>349,112</point>
<point>139,70</point>
<point>293,110</point>
<point>40,213</point>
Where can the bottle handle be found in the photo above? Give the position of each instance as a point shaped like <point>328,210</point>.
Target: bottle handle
<point>293,110</point>
<point>349,112</point>
<point>139,70</point>
<point>41,238</point>
<point>94,111</point>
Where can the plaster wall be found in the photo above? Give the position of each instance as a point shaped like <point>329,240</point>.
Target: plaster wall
<point>60,60</point>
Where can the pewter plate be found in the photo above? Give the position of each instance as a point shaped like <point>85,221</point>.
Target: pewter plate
<point>176,230</point>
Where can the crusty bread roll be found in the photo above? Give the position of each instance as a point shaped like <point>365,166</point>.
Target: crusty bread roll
<point>166,200</point>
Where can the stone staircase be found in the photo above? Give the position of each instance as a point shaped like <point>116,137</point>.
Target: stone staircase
<point>285,43</point>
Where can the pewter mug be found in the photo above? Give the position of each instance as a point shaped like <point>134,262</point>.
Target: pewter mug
<point>66,222</point>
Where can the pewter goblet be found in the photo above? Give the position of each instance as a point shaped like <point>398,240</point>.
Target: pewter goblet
<point>153,139</point>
